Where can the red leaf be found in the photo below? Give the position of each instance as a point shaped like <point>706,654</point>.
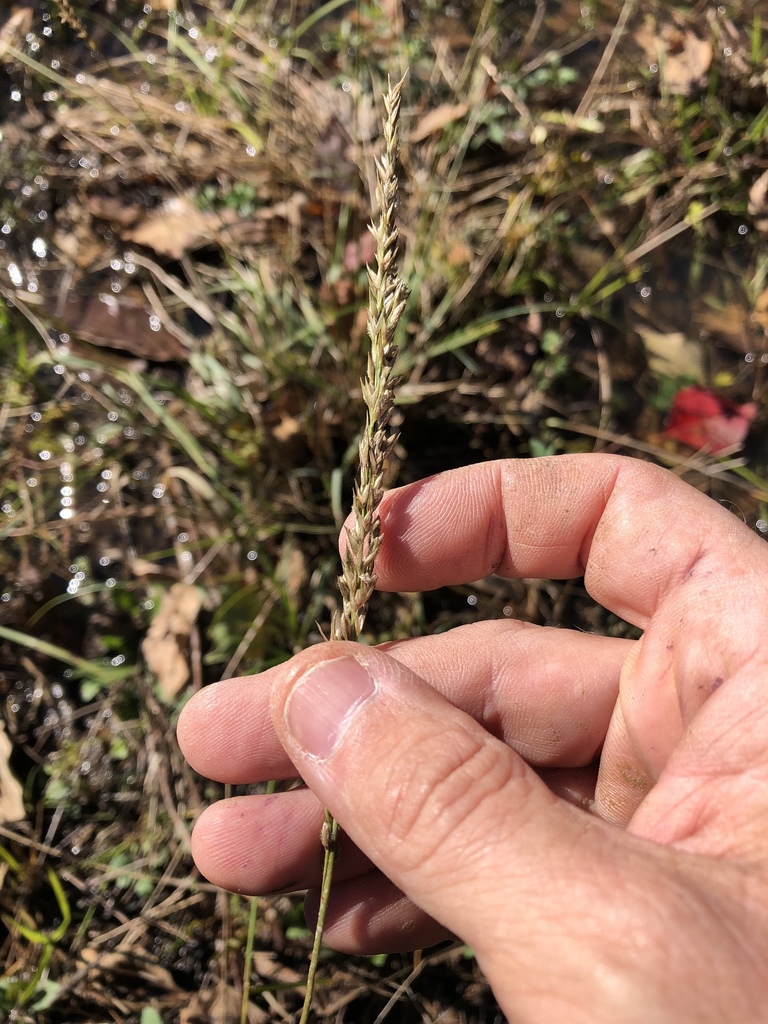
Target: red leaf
<point>702,419</point>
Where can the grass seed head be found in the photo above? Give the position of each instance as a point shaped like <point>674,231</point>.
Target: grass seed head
<point>387,296</point>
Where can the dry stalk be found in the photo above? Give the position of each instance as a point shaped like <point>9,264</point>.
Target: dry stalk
<point>386,301</point>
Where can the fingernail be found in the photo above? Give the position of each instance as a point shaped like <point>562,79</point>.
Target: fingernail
<point>323,702</point>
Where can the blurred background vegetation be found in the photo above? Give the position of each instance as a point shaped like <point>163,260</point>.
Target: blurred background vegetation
<point>184,197</point>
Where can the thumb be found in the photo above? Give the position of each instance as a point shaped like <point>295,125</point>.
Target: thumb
<point>570,918</point>
<point>453,816</point>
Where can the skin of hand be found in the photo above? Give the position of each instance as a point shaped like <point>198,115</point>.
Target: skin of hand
<point>460,765</point>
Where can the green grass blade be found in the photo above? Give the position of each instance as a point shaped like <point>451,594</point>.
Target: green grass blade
<point>103,673</point>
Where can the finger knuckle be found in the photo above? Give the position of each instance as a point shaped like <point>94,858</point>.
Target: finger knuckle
<point>440,800</point>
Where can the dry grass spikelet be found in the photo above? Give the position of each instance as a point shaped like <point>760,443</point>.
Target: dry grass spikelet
<point>69,17</point>
<point>387,297</point>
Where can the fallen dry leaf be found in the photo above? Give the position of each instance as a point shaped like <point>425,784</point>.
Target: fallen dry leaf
<point>673,355</point>
<point>684,59</point>
<point>175,228</point>
<point>11,791</point>
<point>143,567</point>
<point>123,964</point>
<point>125,323</point>
<point>292,571</point>
<point>287,428</point>
<point>111,209</point>
<point>731,322</point>
<point>267,964</point>
<point>220,1006</point>
<point>80,245</point>
<point>459,255</point>
<point>163,646</point>
<point>437,119</point>
<point>700,418</point>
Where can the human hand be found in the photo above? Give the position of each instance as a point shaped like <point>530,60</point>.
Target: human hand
<point>431,753</point>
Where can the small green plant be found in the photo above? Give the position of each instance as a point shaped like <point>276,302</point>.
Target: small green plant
<point>241,198</point>
<point>555,361</point>
<point>36,990</point>
<point>551,74</point>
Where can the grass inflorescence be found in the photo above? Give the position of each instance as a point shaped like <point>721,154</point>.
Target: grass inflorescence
<point>387,296</point>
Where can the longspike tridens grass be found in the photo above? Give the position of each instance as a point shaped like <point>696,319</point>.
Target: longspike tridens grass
<point>387,296</point>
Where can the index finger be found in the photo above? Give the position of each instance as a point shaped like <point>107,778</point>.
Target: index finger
<point>631,529</point>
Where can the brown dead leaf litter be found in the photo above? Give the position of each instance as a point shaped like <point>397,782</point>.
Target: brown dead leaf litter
<point>184,198</point>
